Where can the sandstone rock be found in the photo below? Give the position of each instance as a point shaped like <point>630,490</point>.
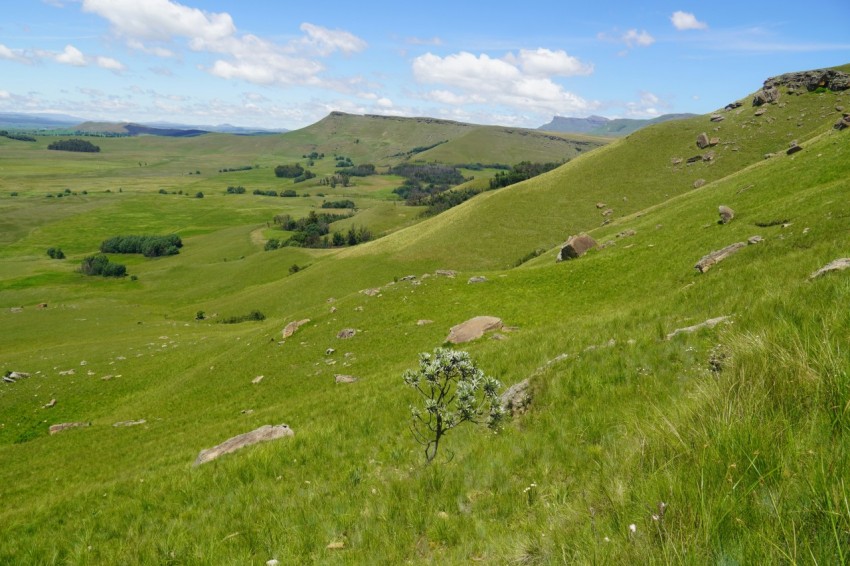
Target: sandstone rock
<point>608,212</point>
<point>446,273</point>
<point>626,233</point>
<point>408,278</point>
<point>698,183</point>
<point>329,351</point>
<point>336,545</point>
<point>477,279</point>
<point>341,378</point>
<point>710,323</point>
<point>600,205</point>
<point>673,161</point>
<point>257,379</point>
<point>717,117</point>
<point>708,261</point>
<point>812,80</point>
<point>57,428</point>
<point>50,404</point>
<point>576,246</point>
<point>473,329</point>
<point>835,265</point>
<point>752,240</point>
<point>423,322</point>
<point>346,333</point>
<point>726,214</point>
<point>16,375</point>
<point>703,140</point>
<point>263,434</point>
<point>371,292</point>
<point>793,148</point>
<point>760,111</point>
<point>290,328</point>
<point>708,156</point>
<point>16,309</point>
<point>842,123</point>
<point>714,141</point>
<point>41,306</point>
<point>517,397</point>
<point>766,95</point>
<point>129,423</point>
<point>733,105</point>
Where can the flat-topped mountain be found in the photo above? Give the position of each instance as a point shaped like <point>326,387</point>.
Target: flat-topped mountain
<point>602,126</point>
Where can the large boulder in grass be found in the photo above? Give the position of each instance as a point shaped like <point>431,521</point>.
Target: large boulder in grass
<point>576,246</point>
<point>709,260</point>
<point>263,434</point>
<point>517,397</point>
<point>836,265</point>
<point>726,214</point>
<point>473,329</point>
<point>290,328</point>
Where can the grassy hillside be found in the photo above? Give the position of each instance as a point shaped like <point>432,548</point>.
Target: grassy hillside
<point>724,445</point>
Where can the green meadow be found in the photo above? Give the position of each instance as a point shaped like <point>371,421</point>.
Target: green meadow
<point>724,445</point>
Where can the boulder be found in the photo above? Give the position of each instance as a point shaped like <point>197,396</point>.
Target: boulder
<point>450,273</point>
<point>710,323</point>
<point>698,183</point>
<point>346,333</point>
<point>477,279</point>
<point>793,148</point>
<point>753,240</point>
<point>263,434</point>
<point>708,261</point>
<point>717,117</point>
<point>257,379</point>
<point>766,95</point>
<point>726,214</point>
<point>341,378</point>
<point>703,141</point>
<point>576,246</point>
<point>733,105</point>
<point>811,80</point>
<point>714,141</point>
<point>371,292</point>
<point>836,265</point>
<point>473,329</point>
<point>423,322</point>
<point>517,397</point>
<point>842,123</point>
<point>290,328</point>
<point>57,428</point>
<point>695,158</point>
<point>129,423</point>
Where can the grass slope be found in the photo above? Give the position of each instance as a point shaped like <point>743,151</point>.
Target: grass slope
<point>748,454</point>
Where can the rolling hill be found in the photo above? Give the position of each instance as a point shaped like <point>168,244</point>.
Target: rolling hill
<point>650,436</point>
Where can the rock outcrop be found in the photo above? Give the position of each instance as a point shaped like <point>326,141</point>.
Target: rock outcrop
<point>811,80</point>
<point>473,329</point>
<point>576,246</point>
<point>263,434</point>
<point>709,260</point>
<point>710,323</point>
<point>835,265</point>
<point>517,397</point>
<point>290,328</point>
<point>61,427</point>
<point>342,378</point>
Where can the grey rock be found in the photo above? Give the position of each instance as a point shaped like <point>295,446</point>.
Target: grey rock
<point>752,240</point>
<point>450,273</point>
<point>517,398</point>
<point>726,214</point>
<point>576,246</point>
<point>835,265</point>
<point>710,323</point>
<point>477,279</point>
<point>703,140</point>
<point>717,117</point>
<point>290,328</point>
<point>473,329</point>
<point>263,434</point>
<point>711,259</point>
<point>121,424</point>
<point>61,427</point>
<point>698,183</point>
<point>341,378</point>
<point>346,333</point>
<point>793,148</point>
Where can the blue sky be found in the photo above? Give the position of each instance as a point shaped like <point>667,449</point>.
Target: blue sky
<point>288,64</point>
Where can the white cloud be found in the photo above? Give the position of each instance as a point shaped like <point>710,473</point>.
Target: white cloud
<point>72,56</point>
<point>519,81</point>
<point>686,20</point>
<point>14,54</point>
<point>109,63</point>
<point>423,41</point>
<point>641,38</point>
<point>384,102</point>
<point>161,20</point>
<point>4,95</point>
<point>649,105</point>
<point>327,41</point>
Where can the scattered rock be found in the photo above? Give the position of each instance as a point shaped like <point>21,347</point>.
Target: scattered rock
<point>477,279</point>
<point>68,372</point>
<point>703,141</point>
<point>290,328</point>
<point>329,351</point>
<point>695,158</point>
<point>717,117</point>
<point>446,273</point>
<point>273,562</point>
<point>608,212</point>
<point>129,423</point>
<point>708,156</point>
<point>769,155</point>
<point>16,309</point>
<point>626,233</point>
<point>708,261</point>
<point>793,148</point>
<point>423,322</point>
<point>698,183</point>
<point>733,105</point>
<point>13,376</point>
<point>371,292</point>
<point>673,161</point>
<point>811,80</point>
<point>408,278</point>
<point>517,397</point>
<point>714,141</point>
<point>346,333</point>
<point>752,240</point>
<point>341,378</point>
<point>57,428</point>
<point>726,214</point>
<point>336,545</point>
<point>835,265</point>
<point>41,306</point>
<point>710,323</point>
<point>263,434</point>
<point>766,95</point>
<point>50,404</point>
<point>842,123</point>
<point>576,246</point>
<point>760,111</point>
<point>257,379</point>
<point>600,205</point>
<point>473,329</point>
<point>358,309</point>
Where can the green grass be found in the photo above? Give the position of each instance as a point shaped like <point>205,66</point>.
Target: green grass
<point>750,461</point>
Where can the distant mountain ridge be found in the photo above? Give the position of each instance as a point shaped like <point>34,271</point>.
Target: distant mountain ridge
<point>51,121</point>
<point>602,126</point>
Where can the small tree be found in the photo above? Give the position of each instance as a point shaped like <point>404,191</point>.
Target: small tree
<point>454,391</point>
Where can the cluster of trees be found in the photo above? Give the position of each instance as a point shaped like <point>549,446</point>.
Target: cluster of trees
<point>424,180</point>
<point>55,253</point>
<point>149,246</point>
<point>240,168</point>
<point>289,171</point>
<point>337,179</point>
<point>100,265</point>
<point>418,149</point>
<point>314,155</point>
<point>18,137</point>
<point>342,161</point>
<point>74,145</point>
<point>520,172</point>
<point>357,170</point>
<point>240,190</point>
<point>272,193</point>
<point>345,203</point>
<point>445,200</point>
<point>253,315</point>
<point>313,231</point>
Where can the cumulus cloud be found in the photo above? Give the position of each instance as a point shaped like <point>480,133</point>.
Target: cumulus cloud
<point>686,20</point>
<point>71,56</point>
<point>158,26</point>
<point>14,55</point>
<point>634,37</point>
<point>109,63</point>
<point>520,80</point>
<point>648,105</point>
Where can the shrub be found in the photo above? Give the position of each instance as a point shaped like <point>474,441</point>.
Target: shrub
<point>293,269</point>
<point>288,193</point>
<point>289,171</point>
<point>253,315</point>
<point>199,194</point>
<point>55,253</point>
<point>453,391</point>
<point>100,265</point>
<point>272,244</point>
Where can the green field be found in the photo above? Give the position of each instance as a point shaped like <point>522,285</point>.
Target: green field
<point>725,445</point>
